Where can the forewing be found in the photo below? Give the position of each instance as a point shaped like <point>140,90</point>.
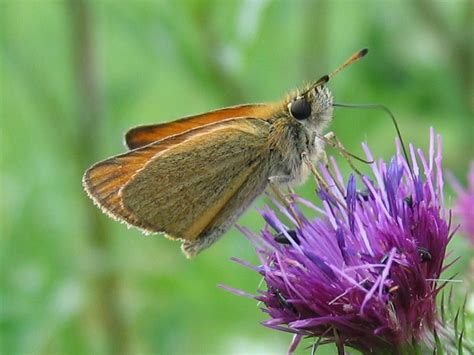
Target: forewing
<point>104,180</point>
<point>191,188</point>
<point>144,135</point>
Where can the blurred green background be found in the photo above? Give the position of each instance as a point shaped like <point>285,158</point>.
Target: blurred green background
<point>75,75</point>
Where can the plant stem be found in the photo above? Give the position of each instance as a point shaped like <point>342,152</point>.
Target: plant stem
<point>105,280</point>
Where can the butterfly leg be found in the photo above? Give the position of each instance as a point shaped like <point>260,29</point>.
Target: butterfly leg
<point>275,183</point>
<point>288,198</point>
<point>323,158</point>
<point>279,179</point>
<point>331,139</point>
<point>319,179</point>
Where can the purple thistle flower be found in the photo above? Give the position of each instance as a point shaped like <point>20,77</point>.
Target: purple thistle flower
<point>365,273</point>
<point>464,205</point>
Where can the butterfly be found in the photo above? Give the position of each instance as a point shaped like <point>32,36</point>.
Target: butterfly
<point>190,179</point>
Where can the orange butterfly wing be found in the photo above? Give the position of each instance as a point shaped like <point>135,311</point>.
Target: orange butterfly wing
<point>104,181</point>
<point>144,135</point>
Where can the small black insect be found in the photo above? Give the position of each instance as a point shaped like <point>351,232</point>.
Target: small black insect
<point>282,239</point>
<point>282,301</point>
<point>424,253</point>
<point>409,201</point>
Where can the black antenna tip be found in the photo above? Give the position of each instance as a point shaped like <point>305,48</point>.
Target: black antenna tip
<point>363,52</point>
<point>323,80</point>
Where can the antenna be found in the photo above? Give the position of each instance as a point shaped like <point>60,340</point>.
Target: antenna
<point>353,58</point>
<point>325,78</point>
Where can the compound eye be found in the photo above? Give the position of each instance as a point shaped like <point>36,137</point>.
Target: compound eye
<point>300,109</point>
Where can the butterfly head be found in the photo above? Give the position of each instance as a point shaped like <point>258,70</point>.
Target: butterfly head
<point>314,107</point>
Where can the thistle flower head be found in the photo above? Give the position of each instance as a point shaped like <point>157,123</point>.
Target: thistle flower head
<point>464,205</point>
<point>364,273</point>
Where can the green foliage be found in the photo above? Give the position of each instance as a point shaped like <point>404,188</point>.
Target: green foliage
<point>74,282</point>
<point>453,326</point>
